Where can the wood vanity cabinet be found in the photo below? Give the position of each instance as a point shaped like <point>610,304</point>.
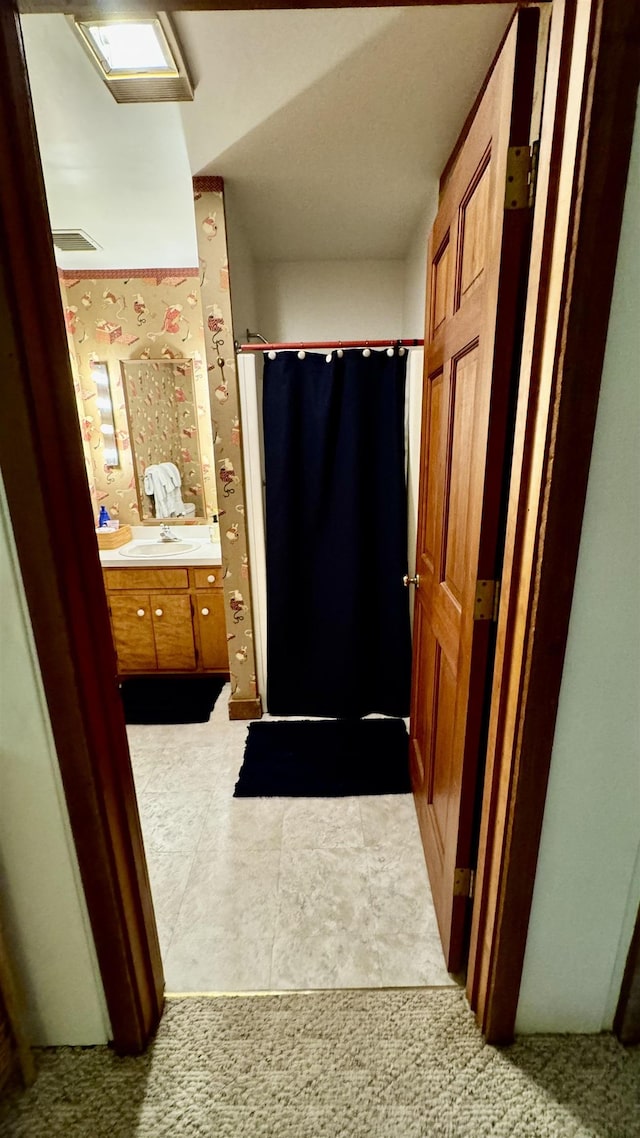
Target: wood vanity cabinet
<point>168,620</point>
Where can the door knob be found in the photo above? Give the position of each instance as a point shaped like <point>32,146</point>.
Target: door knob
<point>205,612</point>
<point>158,612</point>
<point>140,612</point>
<point>406,581</point>
<point>211,578</point>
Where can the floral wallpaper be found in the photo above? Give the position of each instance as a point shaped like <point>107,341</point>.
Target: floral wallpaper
<point>163,422</point>
<point>133,315</point>
<point>88,457</point>
<point>225,408</point>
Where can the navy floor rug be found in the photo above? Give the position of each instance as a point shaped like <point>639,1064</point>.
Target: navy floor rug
<point>170,699</point>
<point>329,758</point>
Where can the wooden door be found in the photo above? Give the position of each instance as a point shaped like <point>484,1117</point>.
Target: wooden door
<point>173,631</point>
<point>211,627</point>
<point>477,263</point>
<point>133,632</point>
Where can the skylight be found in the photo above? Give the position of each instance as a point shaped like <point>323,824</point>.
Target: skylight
<point>128,47</point>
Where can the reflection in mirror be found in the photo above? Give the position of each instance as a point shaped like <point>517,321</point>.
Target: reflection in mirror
<point>162,414</point>
<point>104,403</point>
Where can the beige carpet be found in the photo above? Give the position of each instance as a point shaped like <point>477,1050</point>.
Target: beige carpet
<point>333,1065</point>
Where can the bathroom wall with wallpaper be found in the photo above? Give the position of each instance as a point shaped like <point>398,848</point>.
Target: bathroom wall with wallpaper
<point>225,401</point>
<point>138,314</point>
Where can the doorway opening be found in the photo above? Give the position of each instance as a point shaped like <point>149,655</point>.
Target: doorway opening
<point>587,47</point>
<point>246,891</point>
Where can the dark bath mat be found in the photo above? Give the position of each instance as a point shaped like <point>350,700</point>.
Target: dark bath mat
<point>330,758</point>
<point>170,699</point>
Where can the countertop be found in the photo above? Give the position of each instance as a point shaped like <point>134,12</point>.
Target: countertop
<point>207,552</point>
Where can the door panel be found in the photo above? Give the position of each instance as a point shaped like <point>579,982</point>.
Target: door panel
<point>477,259</point>
<point>461,416</point>
<point>173,631</point>
<point>213,634</point>
<point>474,219</point>
<point>133,632</point>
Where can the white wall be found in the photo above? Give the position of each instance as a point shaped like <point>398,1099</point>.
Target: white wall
<point>42,902</point>
<point>335,300</point>
<point>242,269</point>
<point>413,327</point>
<point>587,885</point>
<point>415,269</point>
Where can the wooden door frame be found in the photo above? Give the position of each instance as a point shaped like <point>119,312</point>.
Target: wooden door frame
<point>52,520</point>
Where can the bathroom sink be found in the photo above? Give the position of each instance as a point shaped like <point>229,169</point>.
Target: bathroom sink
<point>157,548</point>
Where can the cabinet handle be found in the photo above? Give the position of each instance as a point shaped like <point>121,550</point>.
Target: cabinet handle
<point>205,612</point>
<point>140,612</point>
<point>158,612</point>
<point>211,578</point>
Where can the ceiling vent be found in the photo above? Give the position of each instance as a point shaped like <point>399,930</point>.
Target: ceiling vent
<point>172,89</point>
<point>74,241</point>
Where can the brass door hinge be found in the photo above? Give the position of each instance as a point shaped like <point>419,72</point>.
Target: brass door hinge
<point>487,600</point>
<point>463,882</point>
<point>520,181</point>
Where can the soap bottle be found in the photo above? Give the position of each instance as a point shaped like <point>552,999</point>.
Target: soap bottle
<point>103,519</point>
<point>213,529</point>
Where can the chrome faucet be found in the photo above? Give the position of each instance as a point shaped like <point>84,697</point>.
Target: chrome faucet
<point>167,535</point>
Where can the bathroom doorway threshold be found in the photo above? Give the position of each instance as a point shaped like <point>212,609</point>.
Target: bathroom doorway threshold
<point>589,109</point>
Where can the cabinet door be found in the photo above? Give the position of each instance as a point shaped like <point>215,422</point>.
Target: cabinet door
<point>133,632</point>
<point>173,631</point>
<point>213,636</point>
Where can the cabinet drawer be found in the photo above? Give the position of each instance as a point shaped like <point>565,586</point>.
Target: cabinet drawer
<point>132,627</point>
<point>116,579</point>
<point>213,636</point>
<point>208,578</point>
<point>173,632</point>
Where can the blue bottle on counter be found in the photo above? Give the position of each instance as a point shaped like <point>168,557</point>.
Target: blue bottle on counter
<point>103,518</point>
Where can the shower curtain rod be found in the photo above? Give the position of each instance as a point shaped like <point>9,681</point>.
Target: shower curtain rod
<point>308,345</point>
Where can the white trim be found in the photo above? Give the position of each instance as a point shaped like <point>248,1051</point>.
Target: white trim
<point>254,509</point>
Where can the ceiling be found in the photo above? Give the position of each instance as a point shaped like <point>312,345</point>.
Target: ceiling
<point>329,126</point>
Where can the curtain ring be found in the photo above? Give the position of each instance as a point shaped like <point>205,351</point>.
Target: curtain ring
<point>271,355</point>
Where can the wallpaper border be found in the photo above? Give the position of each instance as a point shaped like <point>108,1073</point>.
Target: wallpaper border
<point>67,275</point>
<point>208,184</point>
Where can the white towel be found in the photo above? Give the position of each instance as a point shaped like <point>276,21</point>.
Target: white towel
<point>162,482</point>
<point>172,473</point>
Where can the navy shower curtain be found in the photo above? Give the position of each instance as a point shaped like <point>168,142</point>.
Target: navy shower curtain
<point>339,640</point>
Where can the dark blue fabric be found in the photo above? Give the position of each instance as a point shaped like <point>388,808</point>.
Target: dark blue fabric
<point>330,758</point>
<point>336,519</point>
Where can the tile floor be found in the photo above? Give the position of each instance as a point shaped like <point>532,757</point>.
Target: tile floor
<point>273,893</point>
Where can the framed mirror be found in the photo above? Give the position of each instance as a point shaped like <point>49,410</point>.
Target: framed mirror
<point>163,425</point>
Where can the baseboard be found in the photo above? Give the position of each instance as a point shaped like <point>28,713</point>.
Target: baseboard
<point>245,708</point>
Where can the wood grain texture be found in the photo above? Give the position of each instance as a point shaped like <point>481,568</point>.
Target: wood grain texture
<point>129,578</point>
<point>593,70</point>
<point>132,628</point>
<point>470,362</point>
<point>210,578</point>
<point>104,7</point>
<point>61,573</point>
<point>245,708</point>
<point>173,632</point>
<point>163,629</point>
<point>212,634</point>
